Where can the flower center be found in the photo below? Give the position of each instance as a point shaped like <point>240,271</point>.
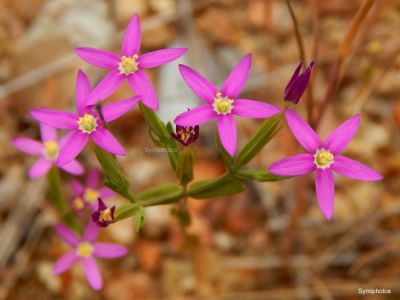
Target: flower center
<point>51,150</point>
<point>222,105</point>
<point>128,65</point>
<point>105,215</point>
<point>78,203</point>
<point>87,123</point>
<point>84,249</point>
<point>185,133</point>
<point>91,195</point>
<point>323,158</point>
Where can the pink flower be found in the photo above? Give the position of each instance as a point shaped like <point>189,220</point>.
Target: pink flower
<point>86,123</point>
<point>223,104</point>
<point>298,84</point>
<point>129,65</point>
<point>103,215</point>
<point>87,195</point>
<point>47,152</point>
<point>324,158</point>
<point>85,251</point>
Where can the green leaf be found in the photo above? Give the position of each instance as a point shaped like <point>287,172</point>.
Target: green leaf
<point>112,170</point>
<point>258,141</point>
<point>165,193</point>
<point>139,218</point>
<point>261,176</point>
<point>184,168</point>
<point>222,186</point>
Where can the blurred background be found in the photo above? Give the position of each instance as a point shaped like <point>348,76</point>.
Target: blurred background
<point>269,242</point>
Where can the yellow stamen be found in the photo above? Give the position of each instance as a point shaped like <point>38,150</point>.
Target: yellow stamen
<point>222,105</point>
<point>186,133</point>
<point>78,203</point>
<point>87,123</point>
<point>105,215</point>
<point>128,65</point>
<point>91,195</point>
<point>51,150</point>
<point>84,249</point>
<point>323,158</point>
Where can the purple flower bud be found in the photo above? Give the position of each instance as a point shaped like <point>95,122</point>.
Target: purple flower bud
<point>104,215</point>
<point>298,84</point>
<point>186,135</point>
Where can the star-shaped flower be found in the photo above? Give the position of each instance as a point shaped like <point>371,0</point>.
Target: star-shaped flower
<point>85,250</point>
<point>129,65</point>
<point>87,123</point>
<point>223,104</point>
<point>87,195</point>
<point>47,152</point>
<point>323,158</point>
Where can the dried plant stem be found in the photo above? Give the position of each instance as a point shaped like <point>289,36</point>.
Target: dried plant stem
<point>302,54</point>
<point>344,49</point>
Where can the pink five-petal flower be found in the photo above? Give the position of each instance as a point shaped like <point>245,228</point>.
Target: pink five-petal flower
<point>87,195</point>
<point>85,250</point>
<point>324,158</point>
<point>47,152</point>
<point>86,123</point>
<point>129,65</point>
<point>223,104</point>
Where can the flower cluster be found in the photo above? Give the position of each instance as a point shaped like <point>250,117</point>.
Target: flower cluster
<point>90,122</point>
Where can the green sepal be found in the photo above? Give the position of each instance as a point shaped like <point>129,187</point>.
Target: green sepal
<point>260,175</point>
<point>139,218</point>
<point>226,158</point>
<point>116,179</point>
<point>223,186</point>
<point>184,168</point>
<point>182,215</point>
<point>258,141</point>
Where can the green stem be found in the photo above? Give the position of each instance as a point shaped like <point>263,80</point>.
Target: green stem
<point>58,199</point>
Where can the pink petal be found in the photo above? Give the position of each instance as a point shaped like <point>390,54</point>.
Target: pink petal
<point>67,235</point>
<point>82,92</point>
<point>294,165</point>
<point>39,168</point>
<point>73,167</point>
<point>107,141</point>
<point>65,262</point>
<point>236,80</point>
<point>106,193</point>
<point>54,118</point>
<point>304,134</point>
<point>160,57</point>
<point>115,110</point>
<point>91,232</point>
<point>132,37</point>
<point>342,135</point>
<point>253,109</point>
<point>47,133</point>
<point>93,179</point>
<point>143,87</point>
<point>325,188</point>
<point>28,145</point>
<point>106,87</point>
<point>77,187</point>
<point>196,116</point>
<point>92,273</point>
<point>108,250</point>
<point>203,88</point>
<point>353,169</point>
<point>73,146</point>
<point>227,133</point>
<point>99,58</point>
